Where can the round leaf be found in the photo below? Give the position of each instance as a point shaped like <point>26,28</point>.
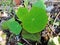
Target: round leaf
<point>35,21</point>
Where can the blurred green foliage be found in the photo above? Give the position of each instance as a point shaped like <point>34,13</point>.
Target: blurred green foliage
<point>13,26</point>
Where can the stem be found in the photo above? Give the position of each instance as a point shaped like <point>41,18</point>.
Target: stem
<point>36,43</point>
<point>56,18</point>
<point>26,3</point>
<point>52,28</point>
<point>26,41</point>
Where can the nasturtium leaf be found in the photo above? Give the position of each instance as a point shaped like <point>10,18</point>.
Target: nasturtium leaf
<point>13,26</point>
<point>35,20</point>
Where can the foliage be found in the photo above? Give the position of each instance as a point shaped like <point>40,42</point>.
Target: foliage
<point>29,36</point>
<point>32,20</point>
<point>59,39</point>
<point>51,43</point>
<point>20,44</point>
<point>6,2</point>
<point>13,26</point>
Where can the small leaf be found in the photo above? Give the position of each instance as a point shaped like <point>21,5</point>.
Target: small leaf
<point>4,25</point>
<point>29,36</point>
<point>13,26</point>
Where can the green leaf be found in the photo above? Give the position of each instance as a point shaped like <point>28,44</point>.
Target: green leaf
<point>29,36</point>
<point>13,26</point>
<point>35,20</point>
<point>4,25</point>
<point>21,13</point>
<point>20,44</point>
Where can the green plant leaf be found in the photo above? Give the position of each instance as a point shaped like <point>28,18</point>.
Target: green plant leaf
<point>13,26</point>
<point>21,13</point>
<point>4,25</point>
<point>32,37</point>
<point>35,20</point>
<point>20,44</point>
